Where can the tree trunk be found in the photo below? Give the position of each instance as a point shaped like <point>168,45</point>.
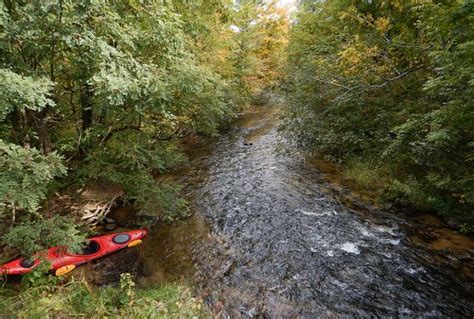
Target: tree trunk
<point>43,134</point>
<point>86,106</point>
<point>18,126</point>
<point>41,123</point>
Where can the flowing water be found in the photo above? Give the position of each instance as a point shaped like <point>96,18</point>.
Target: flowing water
<point>272,236</point>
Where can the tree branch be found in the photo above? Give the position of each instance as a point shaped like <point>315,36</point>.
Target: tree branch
<point>107,137</point>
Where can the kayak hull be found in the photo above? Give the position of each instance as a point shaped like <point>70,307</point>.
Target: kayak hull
<point>59,258</point>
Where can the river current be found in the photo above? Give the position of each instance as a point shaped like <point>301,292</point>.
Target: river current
<point>272,236</point>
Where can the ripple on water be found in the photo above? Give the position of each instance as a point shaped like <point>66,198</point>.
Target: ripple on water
<point>316,214</point>
<point>349,247</point>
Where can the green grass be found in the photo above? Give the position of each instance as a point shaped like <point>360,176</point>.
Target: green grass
<point>76,299</point>
<point>383,182</point>
<point>392,184</point>
<point>366,175</point>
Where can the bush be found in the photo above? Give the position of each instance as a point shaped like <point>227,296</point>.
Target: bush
<point>40,234</point>
<point>25,175</point>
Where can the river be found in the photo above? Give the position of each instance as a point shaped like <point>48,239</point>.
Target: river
<point>273,235</point>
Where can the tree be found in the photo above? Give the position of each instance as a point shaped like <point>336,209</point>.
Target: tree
<point>388,84</point>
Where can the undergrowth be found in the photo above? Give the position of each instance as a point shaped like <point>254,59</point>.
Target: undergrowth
<point>76,299</point>
<point>366,175</point>
<point>390,184</point>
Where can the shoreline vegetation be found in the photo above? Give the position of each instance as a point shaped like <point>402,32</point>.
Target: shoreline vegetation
<point>384,89</point>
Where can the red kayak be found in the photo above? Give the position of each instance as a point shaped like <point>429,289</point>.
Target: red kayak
<point>63,262</point>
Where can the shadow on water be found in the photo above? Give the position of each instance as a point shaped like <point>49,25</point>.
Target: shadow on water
<point>275,234</point>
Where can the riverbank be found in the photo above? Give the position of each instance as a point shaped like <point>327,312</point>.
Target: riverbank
<point>368,190</point>
<point>79,299</point>
<point>427,230</point>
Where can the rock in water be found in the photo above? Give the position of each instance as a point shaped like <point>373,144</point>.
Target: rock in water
<point>110,227</point>
<point>108,220</point>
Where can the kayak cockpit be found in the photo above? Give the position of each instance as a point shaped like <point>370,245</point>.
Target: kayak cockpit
<point>90,248</point>
<point>27,263</point>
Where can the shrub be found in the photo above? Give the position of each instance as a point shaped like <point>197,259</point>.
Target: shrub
<point>39,234</point>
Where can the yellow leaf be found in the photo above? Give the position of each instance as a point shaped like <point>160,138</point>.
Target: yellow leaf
<point>382,24</point>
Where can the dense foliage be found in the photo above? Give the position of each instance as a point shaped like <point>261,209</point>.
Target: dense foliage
<point>35,236</point>
<point>26,171</point>
<point>386,88</point>
<point>95,90</point>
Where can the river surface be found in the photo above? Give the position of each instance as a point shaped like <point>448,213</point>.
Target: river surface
<point>272,235</point>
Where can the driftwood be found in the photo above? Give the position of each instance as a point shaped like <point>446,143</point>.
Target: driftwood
<point>95,202</point>
<point>90,204</point>
<point>93,212</point>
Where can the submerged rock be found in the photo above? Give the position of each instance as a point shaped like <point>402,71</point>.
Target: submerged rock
<point>110,227</point>
<point>109,220</point>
